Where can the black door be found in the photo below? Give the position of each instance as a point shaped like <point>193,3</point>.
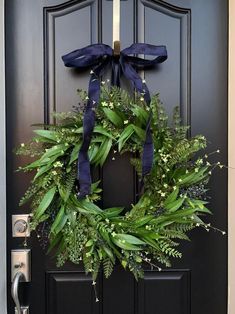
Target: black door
<point>38,32</point>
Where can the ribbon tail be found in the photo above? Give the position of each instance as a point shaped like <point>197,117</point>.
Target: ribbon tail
<point>115,80</point>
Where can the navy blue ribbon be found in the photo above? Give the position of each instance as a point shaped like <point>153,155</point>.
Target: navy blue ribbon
<point>99,57</point>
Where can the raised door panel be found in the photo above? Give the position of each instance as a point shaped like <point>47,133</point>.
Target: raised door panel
<point>71,293</point>
<point>165,24</point>
<point>157,288</point>
<point>67,27</point>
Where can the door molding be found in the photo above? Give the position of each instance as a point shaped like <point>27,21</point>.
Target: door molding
<point>231,162</point>
<point>3,251</point>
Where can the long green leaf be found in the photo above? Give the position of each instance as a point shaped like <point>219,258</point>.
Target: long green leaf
<point>125,245</point>
<point>126,134</point>
<point>113,212</point>
<point>143,220</point>
<point>103,152</point>
<point>172,197</point>
<point>74,154</point>
<point>59,221</point>
<point>42,170</point>
<point>99,129</point>
<point>113,117</point>
<point>128,238</point>
<point>141,114</point>
<point>51,135</point>
<point>173,206</point>
<point>46,201</point>
<point>140,132</point>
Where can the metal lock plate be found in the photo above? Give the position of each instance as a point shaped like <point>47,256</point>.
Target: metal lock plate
<point>20,226</point>
<point>21,261</point>
<point>24,310</point>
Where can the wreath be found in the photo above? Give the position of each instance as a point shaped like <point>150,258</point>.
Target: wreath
<point>173,201</point>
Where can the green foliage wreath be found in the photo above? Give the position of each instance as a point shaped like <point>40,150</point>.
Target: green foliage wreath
<point>172,203</point>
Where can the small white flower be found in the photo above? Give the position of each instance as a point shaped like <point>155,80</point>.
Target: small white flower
<point>93,283</point>
<point>125,121</point>
<point>113,158</point>
<point>218,151</point>
<point>223,232</point>
<point>104,104</point>
<point>22,145</point>
<point>87,98</point>
<point>180,180</point>
<point>200,161</point>
<point>163,194</point>
<point>174,188</point>
<point>196,169</point>
<point>91,72</point>
<point>143,81</point>
<point>208,163</point>
<point>103,82</point>
<point>197,225</point>
<point>141,98</point>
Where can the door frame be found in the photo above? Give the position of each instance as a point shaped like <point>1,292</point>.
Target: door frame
<point>3,235</point>
<point>231,162</point>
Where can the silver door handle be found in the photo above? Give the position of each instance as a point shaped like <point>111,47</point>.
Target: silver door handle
<point>19,276</point>
<point>20,271</point>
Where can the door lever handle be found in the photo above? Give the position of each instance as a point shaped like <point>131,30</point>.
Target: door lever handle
<point>19,276</point>
<point>21,272</point>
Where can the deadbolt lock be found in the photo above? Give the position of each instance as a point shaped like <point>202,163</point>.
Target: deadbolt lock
<point>20,226</point>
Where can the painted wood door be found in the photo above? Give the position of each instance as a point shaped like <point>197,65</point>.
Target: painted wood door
<point>38,32</point>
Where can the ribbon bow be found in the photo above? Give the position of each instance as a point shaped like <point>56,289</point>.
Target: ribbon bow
<point>99,57</point>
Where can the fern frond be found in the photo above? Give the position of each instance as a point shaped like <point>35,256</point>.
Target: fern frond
<point>108,267</point>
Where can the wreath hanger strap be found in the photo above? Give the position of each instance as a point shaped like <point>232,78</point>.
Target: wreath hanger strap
<point>99,57</point>
<point>116,28</point>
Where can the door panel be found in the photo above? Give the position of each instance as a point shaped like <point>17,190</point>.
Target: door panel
<point>152,292</point>
<point>61,302</point>
<point>38,32</point>
<point>164,23</point>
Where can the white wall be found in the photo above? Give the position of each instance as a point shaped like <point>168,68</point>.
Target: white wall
<point>2,170</point>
